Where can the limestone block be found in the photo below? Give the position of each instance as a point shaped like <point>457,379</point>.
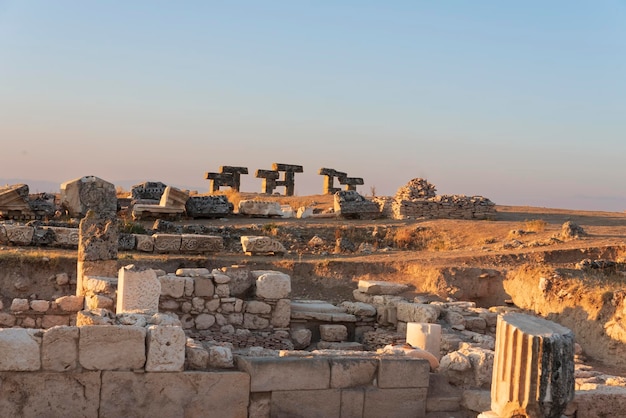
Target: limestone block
<point>202,273</point>
<point>260,405</point>
<point>399,372</point>
<point>222,290</point>
<point>417,312</point>
<point>425,336</point>
<point>204,321</point>
<point>251,321</point>
<point>49,321</point>
<point>107,269</point>
<point>372,287</point>
<point>79,195</point>
<point>476,400</point>
<point>165,349</point>
<point>347,372</point>
<point>193,243</point>
<point>138,290</point>
<point>220,278</point>
<point>100,285</point>
<point>64,237</point>
<point>59,349</point>
<point>39,305</point>
<point>301,338</point>
<point>94,317</point>
<point>336,333</point>
<point>268,374</point>
<point>273,285</point>
<point>7,320</point>
<point>281,317</point>
<point>185,394</point>
<point>203,287</point>
<point>261,245</point>
<point>197,357</point>
<point>212,305</point>
<point>257,208</point>
<point>19,234</point>
<point>343,346</point>
<point>241,280</point>
<point>98,238</point>
<point>352,402</point>
<point>172,286</point>
<point>112,347</point>
<point>145,243</point>
<point>99,302</point>
<point>69,395</point>
<point>533,370</point>
<point>220,357</point>
<point>316,403</point>
<point>167,243</point>
<point>404,402</point>
<point>19,305</point>
<point>258,307</point>
<point>359,308</point>
<point>20,349</point>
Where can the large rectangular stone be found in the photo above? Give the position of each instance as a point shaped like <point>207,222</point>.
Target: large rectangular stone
<point>172,285</point>
<point>167,243</point>
<point>112,347</point>
<point>20,349</point>
<point>306,403</point>
<point>185,394</point>
<point>194,243</point>
<point>268,374</point>
<point>403,372</point>
<point>42,394</point>
<point>346,372</point>
<point>352,402</point>
<point>397,403</point>
<point>59,350</point>
<point>64,237</point>
<point>165,349</point>
<point>138,290</point>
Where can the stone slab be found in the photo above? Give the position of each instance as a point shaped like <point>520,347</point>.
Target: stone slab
<point>268,374</point>
<point>59,349</point>
<point>403,372</point>
<point>347,372</point>
<point>373,287</point>
<point>399,403</point>
<point>112,347</point>
<point>306,403</point>
<point>165,349</point>
<point>20,349</point>
<point>196,244</point>
<point>185,394</point>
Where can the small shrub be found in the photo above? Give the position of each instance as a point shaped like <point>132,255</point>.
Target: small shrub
<point>535,225</point>
<point>126,226</point>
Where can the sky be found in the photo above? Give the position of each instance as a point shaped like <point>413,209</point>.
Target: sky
<point>521,102</point>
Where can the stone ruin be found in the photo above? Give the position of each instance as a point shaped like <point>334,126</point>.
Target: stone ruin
<point>271,178</point>
<point>418,199</point>
<point>229,176</point>
<point>331,174</point>
<point>89,192</point>
<point>350,204</point>
<point>17,203</point>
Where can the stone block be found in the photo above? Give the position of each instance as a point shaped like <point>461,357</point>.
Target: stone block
<point>241,281</point>
<point>197,357</point>
<point>251,321</point>
<point>261,245</point>
<point>138,291</point>
<point>348,372</point>
<point>372,287</point>
<point>417,312</point>
<point>39,305</point>
<point>306,403</point>
<point>204,287</point>
<point>165,349</point>
<point>281,317</point>
<point>172,286</point>
<point>21,349</point>
<point>257,208</point>
<point>49,321</point>
<point>185,394</point>
<point>425,336</point>
<point>273,285</point>
<point>99,302</point>
<point>260,405</point>
<point>220,357</point>
<point>352,402</point>
<point>89,192</point>
<point>59,349</point>
<point>343,346</point>
<point>405,402</point>
<point>359,308</point>
<point>201,273</point>
<point>167,243</point>
<point>19,305</point>
<point>399,372</point>
<point>145,243</point>
<point>112,347</point>
<point>333,333</point>
<point>64,237</point>
<point>204,321</point>
<point>198,244</point>
<point>269,374</point>
<point>98,240</point>
<point>68,395</point>
<point>301,338</point>
<point>19,234</point>
<point>258,307</point>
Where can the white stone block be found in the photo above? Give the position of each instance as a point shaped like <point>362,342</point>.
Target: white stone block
<point>112,347</point>
<point>273,285</point>
<point>172,286</point>
<point>166,349</point>
<point>138,290</point>
<point>59,350</point>
<point>20,349</point>
<point>257,208</point>
<point>334,333</point>
<point>261,245</point>
<point>20,234</point>
<point>220,357</point>
<point>167,243</point>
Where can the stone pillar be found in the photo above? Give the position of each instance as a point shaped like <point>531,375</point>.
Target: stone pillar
<point>533,372</point>
<point>97,248</point>
<point>424,336</point>
<point>138,291</point>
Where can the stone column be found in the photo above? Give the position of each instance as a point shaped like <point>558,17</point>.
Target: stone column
<point>533,372</point>
<point>424,336</point>
<point>97,248</point>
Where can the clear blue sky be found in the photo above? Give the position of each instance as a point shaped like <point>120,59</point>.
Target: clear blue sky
<point>521,102</point>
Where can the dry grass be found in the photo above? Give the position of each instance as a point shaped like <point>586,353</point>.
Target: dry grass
<point>421,238</point>
<point>535,225</point>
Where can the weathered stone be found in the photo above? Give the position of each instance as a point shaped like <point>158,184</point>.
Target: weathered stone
<point>301,338</point>
<point>402,372</point>
<point>89,192</point>
<point>417,312</point>
<point>268,374</point>
<point>138,290</point>
<point>261,245</point>
<point>346,372</point>
<point>112,347</point>
<point>352,402</point>
<point>39,305</point>
<point>193,243</point>
<point>404,402</point>
<point>64,237</point>
<point>186,394</point>
<point>172,286</point>
<point>425,336</point>
<point>99,302</point>
<point>149,190</point>
<point>282,314</point>
<point>220,357</point>
<point>533,372</point>
<point>372,287</point>
<point>70,394</point>
<point>204,321</point>
<point>257,208</point>
<point>49,321</point>
<point>316,403</point>
<point>62,279</point>
<point>19,305</point>
<point>165,349</point>
<point>126,242</point>
<point>333,333</point>
<point>341,346</point>
<point>167,243</point>
<point>20,349</point>
<point>251,321</point>
<point>359,308</point>
<point>19,234</point>
<point>94,317</point>
<point>7,320</point>
<point>272,284</point>
<point>197,357</point>
<point>202,273</point>
<point>144,243</point>
<point>222,290</point>
<point>208,206</point>
<point>260,405</point>
<point>258,307</point>
<point>59,349</point>
<point>98,238</point>
<point>350,204</point>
